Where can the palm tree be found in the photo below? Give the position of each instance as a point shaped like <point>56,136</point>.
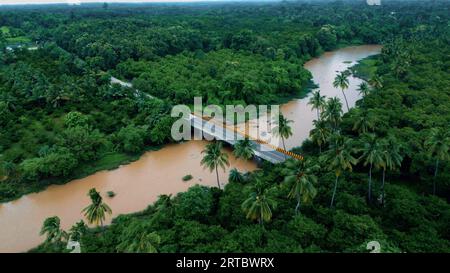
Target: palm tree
<point>372,154</point>
<point>339,158</point>
<point>77,231</point>
<point>214,158</point>
<point>341,81</point>
<point>364,90</point>
<point>145,242</point>
<point>320,133</point>
<point>392,159</point>
<point>376,82</point>
<point>363,122</point>
<point>258,206</point>
<point>164,204</point>
<point>438,145</point>
<point>300,176</point>
<point>317,102</point>
<point>52,229</point>
<point>7,170</point>
<point>244,149</point>
<point>96,211</point>
<point>137,237</point>
<point>333,112</point>
<point>235,176</point>
<point>283,129</point>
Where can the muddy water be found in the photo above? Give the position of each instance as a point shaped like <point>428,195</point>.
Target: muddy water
<point>137,185</point>
<point>140,183</point>
<point>324,70</point>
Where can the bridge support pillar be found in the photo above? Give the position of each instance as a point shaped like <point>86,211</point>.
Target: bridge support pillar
<point>258,160</point>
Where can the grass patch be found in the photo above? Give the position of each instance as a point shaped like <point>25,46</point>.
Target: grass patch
<point>5,30</point>
<point>18,40</point>
<point>366,68</point>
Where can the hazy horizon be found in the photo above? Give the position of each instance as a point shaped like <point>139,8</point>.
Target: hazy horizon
<point>72,2</point>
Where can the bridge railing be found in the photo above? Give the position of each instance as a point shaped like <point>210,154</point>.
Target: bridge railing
<point>234,129</point>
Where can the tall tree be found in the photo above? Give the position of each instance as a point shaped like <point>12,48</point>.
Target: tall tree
<point>137,237</point>
<point>97,210</point>
<point>165,204</point>
<point>333,113</point>
<point>437,144</point>
<point>372,155</point>
<point>244,149</point>
<point>364,121</point>
<point>283,129</point>
<point>376,82</point>
<point>317,102</point>
<point>214,157</point>
<point>300,177</point>
<point>320,133</point>
<point>341,81</point>
<point>235,176</point>
<point>392,159</point>
<point>259,205</point>
<point>77,231</point>
<point>52,229</point>
<point>364,90</point>
<point>339,158</point>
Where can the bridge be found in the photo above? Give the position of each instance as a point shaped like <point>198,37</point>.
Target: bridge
<point>262,149</point>
<point>231,134</point>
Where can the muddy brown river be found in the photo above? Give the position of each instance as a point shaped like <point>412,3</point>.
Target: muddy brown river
<point>160,172</point>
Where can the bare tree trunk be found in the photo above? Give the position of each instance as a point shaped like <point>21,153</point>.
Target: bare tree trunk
<point>284,146</point>
<point>382,187</point>
<point>217,175</point>
<point>334,191</point>
<point>346,102</point>
<point>369,194</point>
<point>436,167</point>
<point>297,208</point>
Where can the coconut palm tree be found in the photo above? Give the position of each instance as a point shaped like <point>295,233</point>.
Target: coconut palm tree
<point>363,122</point>
<point>235,176</point>
<point>258,206</point>
<point>300,177</point>
<point>392,159</point>
<point>77,231</point>
<point>96,211</point>
<point>138,237</point>
<point>333,113</point>
<point>165,204</point>
<point>214,158</point>
<point>376,82</point>
<point>341,81</point>
<point>320,133</point>
<point>364,90</point>
<point>438,144</point>
<point>317,102</point>
<point>52,229</point>
<point>283,129</point>
<point>144,242</point>
<point>339,158</point>
<point>372,155</point>
<point>244,149</point>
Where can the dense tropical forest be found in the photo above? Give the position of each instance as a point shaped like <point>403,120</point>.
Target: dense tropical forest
<point>379,172</point>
